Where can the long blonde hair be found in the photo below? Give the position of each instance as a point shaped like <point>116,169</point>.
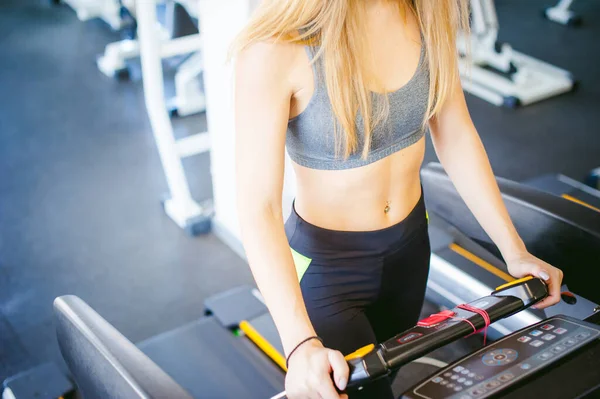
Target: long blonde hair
<point>336,27</point>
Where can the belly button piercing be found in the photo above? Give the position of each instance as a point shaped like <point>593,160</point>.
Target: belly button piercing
<point>387,207</point>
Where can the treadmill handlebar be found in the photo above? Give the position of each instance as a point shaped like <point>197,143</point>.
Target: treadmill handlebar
<point>375,362</point>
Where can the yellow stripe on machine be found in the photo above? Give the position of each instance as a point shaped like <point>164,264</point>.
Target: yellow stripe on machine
<point>360,352</point>
<point>580,202</point>
<point>263,344</point>
<point>481,263</point>
<point>514,282</point>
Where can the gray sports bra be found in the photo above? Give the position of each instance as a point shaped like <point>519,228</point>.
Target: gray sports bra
<point>310,139</point>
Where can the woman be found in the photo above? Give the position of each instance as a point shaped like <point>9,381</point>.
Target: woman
<point>351,86</point>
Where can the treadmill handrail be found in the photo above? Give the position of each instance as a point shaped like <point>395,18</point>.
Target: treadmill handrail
<point>557,207</point>
<point>104,363</point>
<point>414,343</point>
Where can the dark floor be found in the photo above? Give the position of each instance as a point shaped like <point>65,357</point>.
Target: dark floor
<point>80,178</point>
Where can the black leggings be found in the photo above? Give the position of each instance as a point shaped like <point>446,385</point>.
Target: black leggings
<point>362,287</point>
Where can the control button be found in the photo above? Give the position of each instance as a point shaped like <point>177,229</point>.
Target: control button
<point>478,391</point>
<point>547,327</point>
<point>570,342</point>
<point>443,382</point>
<point>448,374</point>
<point>437,379</point>
<point>461,379</point>
<point>537,343</point>
<point>458,388</point>
<point>582,335</point>
<point>499,357</point>
<point>450,385</point>
<point>468,383</point>
<point>524,338</point>
<point>560,330</point>
<point>536,333</point>
<point>479,377</point>
<point>471,375</point>
<point>506,377</point>
<point>465,397</point>
<point>465,372</point>
<point>548,337</point>
<point>458,369</point>
<point>525,366</point>
<point>409,337</point>
<point>545,356</point>
<point>454,377</point>
<point>492,384</point>
<point>558,348</point>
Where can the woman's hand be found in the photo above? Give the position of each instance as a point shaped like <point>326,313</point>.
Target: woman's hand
<point>310,370</point>
<point>526,264</point>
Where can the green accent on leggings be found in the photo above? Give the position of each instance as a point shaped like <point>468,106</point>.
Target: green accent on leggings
<point>301,262</point>
<point>427,216</point>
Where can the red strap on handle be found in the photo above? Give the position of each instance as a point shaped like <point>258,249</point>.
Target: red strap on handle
<point>482,313</point>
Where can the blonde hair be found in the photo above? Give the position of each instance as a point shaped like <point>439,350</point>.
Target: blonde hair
<point>335,25</point>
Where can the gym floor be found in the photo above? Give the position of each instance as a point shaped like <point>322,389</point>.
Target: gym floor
<point>81,181</point>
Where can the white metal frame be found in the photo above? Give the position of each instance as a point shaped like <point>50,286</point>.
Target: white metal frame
<point>520,79</point>
<point>116,54</point>
<point>108,10</point>
<point>561,13</point>
<point>189,98</point>
<point>180,207</point>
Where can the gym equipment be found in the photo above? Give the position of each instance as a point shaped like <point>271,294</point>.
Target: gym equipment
<point>530,363</point>
<point>562,14</point>
<point>465,263</point>
<point>203,359</point>
<point>107,10</point>
<point>569,189</point>
<point>372,362</point>
<point>500,75</point>
<point>180,36</point>
<point>193,217</point>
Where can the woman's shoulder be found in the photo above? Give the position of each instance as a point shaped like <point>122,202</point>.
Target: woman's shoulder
<point>271,59</point>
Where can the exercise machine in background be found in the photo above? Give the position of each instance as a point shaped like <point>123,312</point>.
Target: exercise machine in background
<point>109,11</point>
<point>562,14</point>
<point>559,222</point>
<point>179,36</point>
<point>497,73</point>
<point>193,217</point>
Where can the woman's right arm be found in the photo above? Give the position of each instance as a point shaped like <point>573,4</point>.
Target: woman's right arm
<point>263,92</point>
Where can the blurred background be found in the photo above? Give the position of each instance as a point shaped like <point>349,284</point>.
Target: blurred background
<point>88,208</point>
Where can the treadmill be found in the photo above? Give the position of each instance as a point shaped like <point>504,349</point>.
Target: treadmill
<point>201,359</point>
<point>465,264</point>
<point>183,365</point>
<point>569,189</point>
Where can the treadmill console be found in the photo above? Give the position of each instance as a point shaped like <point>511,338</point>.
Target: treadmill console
<point>503,363</point>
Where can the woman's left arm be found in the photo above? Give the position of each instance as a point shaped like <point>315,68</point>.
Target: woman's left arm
<point>463,156</point>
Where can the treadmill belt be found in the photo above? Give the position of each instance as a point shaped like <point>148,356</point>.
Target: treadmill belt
<point>210,362</point>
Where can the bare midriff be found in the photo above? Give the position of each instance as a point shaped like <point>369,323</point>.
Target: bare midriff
<point>368,198</point>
